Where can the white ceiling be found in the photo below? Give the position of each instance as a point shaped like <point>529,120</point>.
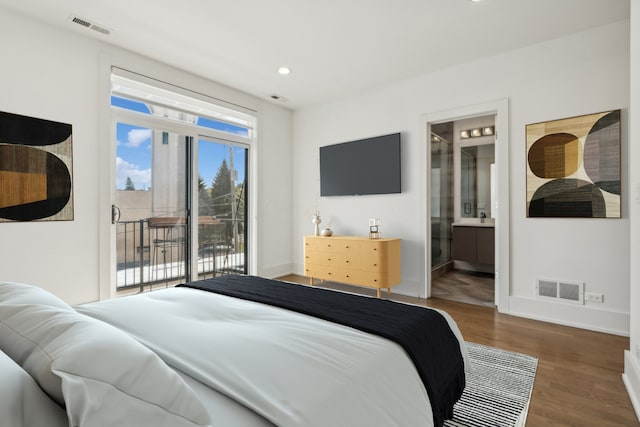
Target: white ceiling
<point>334,47</point>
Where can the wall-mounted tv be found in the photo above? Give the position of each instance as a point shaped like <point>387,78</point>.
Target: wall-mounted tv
<point>365,166</point>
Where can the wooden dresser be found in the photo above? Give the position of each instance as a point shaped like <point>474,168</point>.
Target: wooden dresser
<point>374,263</point>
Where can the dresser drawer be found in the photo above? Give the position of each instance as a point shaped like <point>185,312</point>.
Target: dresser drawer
<point>380,256</point>
<point>371,279</point>
<point>372,262</point>
<point>327,244</point>
<point>331,259</point>
<point>325,272</point>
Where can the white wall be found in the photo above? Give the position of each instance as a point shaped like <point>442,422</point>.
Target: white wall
<point>274,193</point>
<point>632,357</point>
<point>580,74</point>
<point>60,75</point>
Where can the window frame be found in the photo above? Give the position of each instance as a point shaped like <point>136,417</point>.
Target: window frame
<point>197,132</point>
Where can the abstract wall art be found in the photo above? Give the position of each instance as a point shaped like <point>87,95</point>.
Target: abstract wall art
<point>35,169</point>
<point>573,167</point>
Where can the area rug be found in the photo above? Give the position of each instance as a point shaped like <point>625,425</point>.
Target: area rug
<point>498,391</point>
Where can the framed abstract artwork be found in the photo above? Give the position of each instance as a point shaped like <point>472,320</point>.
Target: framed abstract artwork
<point>573,167</point>
<point>36,180</point>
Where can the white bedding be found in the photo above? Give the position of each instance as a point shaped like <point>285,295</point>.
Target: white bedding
<point>291,369</point>
<point>53,358</point>
<point>22,402</point>
<point>224,411</point>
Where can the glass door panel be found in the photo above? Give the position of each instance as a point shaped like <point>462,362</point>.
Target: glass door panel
<point>441,200</point>
<point>150,198</point>
<point>222,205</point>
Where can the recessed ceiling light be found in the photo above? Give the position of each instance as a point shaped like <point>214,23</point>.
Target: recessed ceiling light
<point>284,71</point>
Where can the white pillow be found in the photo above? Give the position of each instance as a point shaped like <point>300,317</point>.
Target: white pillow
<point>19,293</point>
<point>102,375</point>
<point>22,402</point>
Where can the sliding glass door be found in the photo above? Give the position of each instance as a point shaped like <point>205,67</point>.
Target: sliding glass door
<point>151,221</point>
<point>180,199</point>
<point>152,205</point>
<point>222,208</point>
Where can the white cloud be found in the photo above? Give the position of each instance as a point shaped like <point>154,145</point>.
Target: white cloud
<point>141,177</point>
<point>136,137</point>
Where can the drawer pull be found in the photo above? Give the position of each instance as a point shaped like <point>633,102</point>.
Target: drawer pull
<point>375,265</point>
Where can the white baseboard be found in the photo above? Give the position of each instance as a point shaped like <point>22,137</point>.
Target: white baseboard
<point>574,315</point>
<point>409,288</point>
<point>631,379</point>
<point>272,271</point>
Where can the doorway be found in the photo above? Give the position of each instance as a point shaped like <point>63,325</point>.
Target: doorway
<point>462,210</point>
<point>441,201</point>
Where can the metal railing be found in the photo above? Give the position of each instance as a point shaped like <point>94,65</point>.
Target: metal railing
<point>151,252</point>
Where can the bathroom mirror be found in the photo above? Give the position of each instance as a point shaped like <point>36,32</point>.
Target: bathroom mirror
<point>476,180</point>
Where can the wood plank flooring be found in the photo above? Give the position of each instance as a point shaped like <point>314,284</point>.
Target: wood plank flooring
<point>463,286</point>
<point>578,382</point>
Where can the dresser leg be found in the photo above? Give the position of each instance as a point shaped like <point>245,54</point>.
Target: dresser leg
<point>388,291</point>
<point>311,281</point>
<point>378,290</point>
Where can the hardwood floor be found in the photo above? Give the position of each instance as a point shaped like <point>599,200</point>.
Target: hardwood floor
<point>463,286</point>
<point>578,382</point>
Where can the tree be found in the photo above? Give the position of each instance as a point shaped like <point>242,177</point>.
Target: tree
<point>222,198</point>
<point>221,193</point>
<point>205,206</point>
<point>129,185</point>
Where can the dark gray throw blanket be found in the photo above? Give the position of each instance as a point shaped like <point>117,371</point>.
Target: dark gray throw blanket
<point>423,333</point>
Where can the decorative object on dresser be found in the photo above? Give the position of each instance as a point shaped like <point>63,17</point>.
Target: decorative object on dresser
<point>327,232</point>
<point>316,220</point>
<point>374,232</point>
<point>373,263</point>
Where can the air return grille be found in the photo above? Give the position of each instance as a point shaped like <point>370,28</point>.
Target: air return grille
<point>88,24</point>
<point>560,290</point>
<point>81,22</point>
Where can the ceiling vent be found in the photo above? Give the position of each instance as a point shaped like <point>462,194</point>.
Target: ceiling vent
<point>560,290</point>
<point>278,98</point>
<point>91,25</point>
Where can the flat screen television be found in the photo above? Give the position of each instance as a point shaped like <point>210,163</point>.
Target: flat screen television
<point>365,166</point>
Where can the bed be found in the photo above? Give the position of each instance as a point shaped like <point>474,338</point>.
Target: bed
<point>232,351</point>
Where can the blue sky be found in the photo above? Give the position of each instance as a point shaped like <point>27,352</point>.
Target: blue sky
<point>133,150</point>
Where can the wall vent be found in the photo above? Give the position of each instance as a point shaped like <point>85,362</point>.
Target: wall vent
<point>81,21</point>
<point>91,25</point>
<point>560,290</point>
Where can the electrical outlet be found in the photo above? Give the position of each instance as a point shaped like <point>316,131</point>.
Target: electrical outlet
<point>593,297</point>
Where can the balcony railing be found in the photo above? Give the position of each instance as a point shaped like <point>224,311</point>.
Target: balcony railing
<point>152,251</point>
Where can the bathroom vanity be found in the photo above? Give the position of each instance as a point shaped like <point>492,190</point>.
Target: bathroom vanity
<point>474,242</point>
